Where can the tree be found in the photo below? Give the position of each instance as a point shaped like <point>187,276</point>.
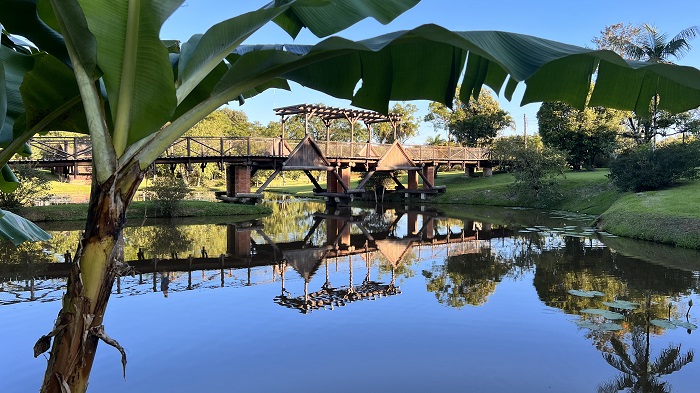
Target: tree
<point>478,121</point>
<point>655,47</point>
<point>408,127</point>
<point>436,140</point>
<point>618,37</point>
<point>647,44</point>
<point>34,185</point>
<point>584,135</point>
<point>99,67</point>
<point>222,122</point>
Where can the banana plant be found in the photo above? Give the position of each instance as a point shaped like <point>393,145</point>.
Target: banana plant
<point>100,67</point>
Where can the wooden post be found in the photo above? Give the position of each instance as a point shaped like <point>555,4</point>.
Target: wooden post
<point>331,182</point>
<point>413,179</point>
<point>429,173</point>
<point>283,120</point>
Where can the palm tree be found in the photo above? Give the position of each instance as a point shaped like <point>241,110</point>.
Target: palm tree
<point>657,48</point>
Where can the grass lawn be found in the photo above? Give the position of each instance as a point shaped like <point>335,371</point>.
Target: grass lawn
<point>666,216</point>
<point>584,192</point>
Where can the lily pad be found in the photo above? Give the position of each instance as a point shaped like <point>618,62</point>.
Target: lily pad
<point>604,313</point>
<point>622,305</point>
<point>582,293</point>
<point>663,323</point>
<point>684,324</point>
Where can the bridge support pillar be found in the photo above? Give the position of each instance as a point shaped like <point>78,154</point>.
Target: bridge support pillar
<point>237,179</point>
<point>331,182</point>
<point>488,172</point>
<point>344,172</point>
<point>429,173</point>
<point>412,179</point>
<point>469,171</point>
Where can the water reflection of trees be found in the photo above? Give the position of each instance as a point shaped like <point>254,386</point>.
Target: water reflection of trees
<point>290,221</point>
<point>579,266</point>
<point>467,279</point>
<point>26,260</point>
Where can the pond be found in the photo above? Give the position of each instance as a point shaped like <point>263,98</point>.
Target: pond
<point>394,298</point>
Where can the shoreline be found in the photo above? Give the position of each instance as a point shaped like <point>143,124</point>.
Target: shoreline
<point>670,216</point>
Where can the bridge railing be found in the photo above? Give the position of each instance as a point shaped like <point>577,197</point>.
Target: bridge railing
<point>196,147</point>
<point>446,153</point>
<point>80,148</point>
<point>59,148</point>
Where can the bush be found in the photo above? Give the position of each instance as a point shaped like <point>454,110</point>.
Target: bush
<point>167,193</point>
<point>33,185</point>
<point>535,170</point>
<point>644,169</point>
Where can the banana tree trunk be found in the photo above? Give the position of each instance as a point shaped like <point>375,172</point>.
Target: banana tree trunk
<point>78,327</point>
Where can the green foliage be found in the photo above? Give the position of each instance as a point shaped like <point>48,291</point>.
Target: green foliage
<point>168,192</point>
<point>467,279</point>
<point>643,168</point>
<point>585,135</point>
<point>384,132</point>
<point>472,123</point>
<point>501,151</point>
<point>222,122</point>
<point>34,186</point>
<point>618,37</point>
<point>646,43</point>
<point>656,47</point>
<point>534,171</point>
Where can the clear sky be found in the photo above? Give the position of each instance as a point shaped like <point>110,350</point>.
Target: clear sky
<point>574,22</point>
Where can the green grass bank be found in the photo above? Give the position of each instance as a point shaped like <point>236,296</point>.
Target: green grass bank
<point>669,216</point>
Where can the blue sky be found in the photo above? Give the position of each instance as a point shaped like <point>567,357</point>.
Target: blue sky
<point>574,22</point>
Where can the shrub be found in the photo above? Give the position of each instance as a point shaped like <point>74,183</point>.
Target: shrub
<point>33,186</point>
<point>644,169</point>
<point>167,193</point>
<point>535,170</point>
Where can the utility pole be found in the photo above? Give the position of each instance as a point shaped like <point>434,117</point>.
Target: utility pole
<point>525,129</point>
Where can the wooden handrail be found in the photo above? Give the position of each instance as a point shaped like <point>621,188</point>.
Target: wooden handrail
<point>79,148</point>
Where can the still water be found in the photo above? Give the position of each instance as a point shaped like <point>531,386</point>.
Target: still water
<point>392,299</point>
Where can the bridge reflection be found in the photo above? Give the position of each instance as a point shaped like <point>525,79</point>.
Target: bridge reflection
<point>336,236</point>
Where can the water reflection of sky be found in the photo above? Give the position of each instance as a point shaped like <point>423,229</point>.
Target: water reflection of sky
<point>235,337</point>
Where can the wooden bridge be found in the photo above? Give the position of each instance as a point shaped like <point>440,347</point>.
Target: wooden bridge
<point>243,157</point>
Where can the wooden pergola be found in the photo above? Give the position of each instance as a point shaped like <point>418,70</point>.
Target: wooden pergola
<point>328,114</point>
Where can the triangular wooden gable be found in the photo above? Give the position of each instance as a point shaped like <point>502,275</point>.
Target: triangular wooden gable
<point>307,154</point>
<point>394,250</point>
<point>395,157</point>
<point>306,261</point>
